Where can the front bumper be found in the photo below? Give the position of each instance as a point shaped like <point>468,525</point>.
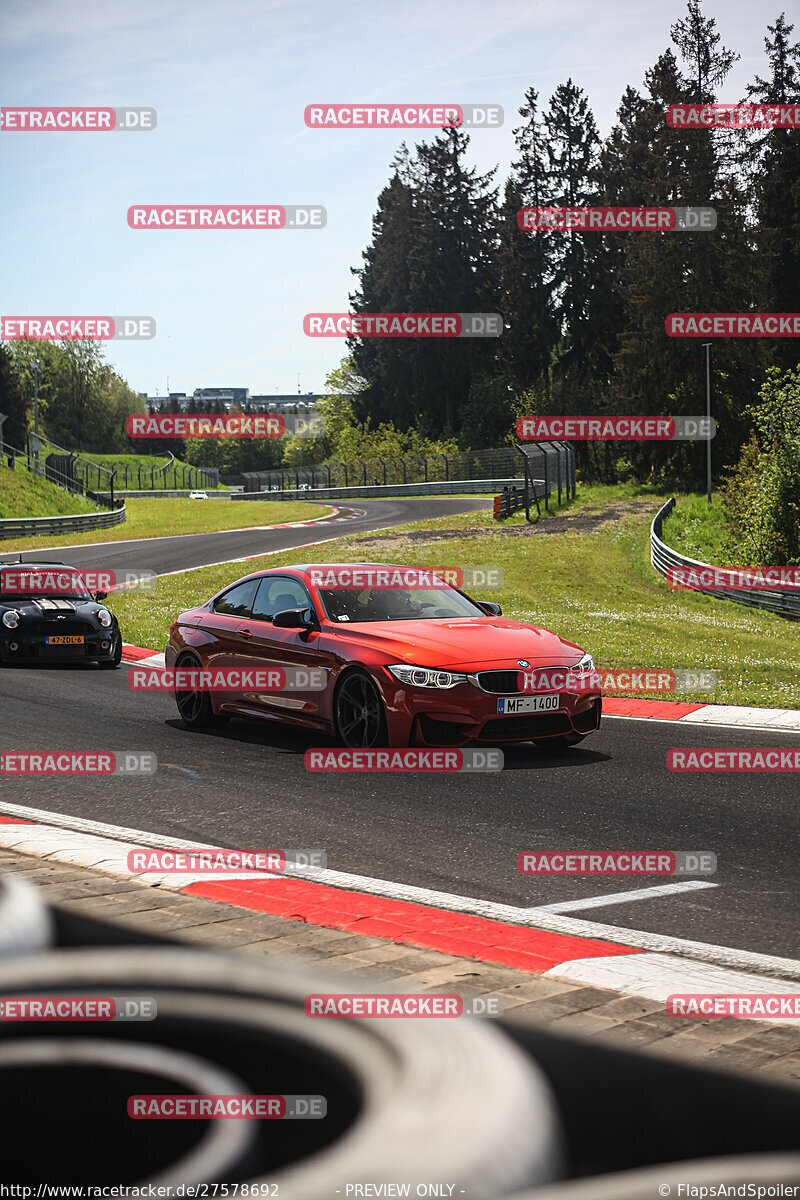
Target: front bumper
<point>20,646</point>
<point>466,714</point>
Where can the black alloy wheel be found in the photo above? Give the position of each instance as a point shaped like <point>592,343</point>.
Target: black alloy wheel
<point>360,719</point>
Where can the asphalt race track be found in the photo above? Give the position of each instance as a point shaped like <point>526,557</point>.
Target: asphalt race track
<point>165,554</point>
<point>246,786</point>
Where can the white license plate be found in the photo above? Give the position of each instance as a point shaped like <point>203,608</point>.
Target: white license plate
<point>546,702</point>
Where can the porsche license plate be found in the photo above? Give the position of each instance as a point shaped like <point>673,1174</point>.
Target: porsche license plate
<point>64,640</point>
<point>547,702</point>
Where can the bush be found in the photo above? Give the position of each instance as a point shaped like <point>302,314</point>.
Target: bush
<point>762,494</point>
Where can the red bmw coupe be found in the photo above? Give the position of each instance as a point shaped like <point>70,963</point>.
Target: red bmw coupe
<point>391,665</point>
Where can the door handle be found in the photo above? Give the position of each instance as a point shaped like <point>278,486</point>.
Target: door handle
<point>245,633</point>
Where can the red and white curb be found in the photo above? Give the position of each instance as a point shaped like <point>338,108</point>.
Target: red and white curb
<point>534,940</point>
<point>781,720</point>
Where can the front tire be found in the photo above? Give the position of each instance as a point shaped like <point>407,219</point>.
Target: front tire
<point>109,664</point>
<point>358,712</point>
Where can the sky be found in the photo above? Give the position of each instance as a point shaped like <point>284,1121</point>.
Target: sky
<point>230,80</point>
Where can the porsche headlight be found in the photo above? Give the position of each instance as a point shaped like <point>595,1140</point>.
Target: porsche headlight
<point>11,619</point>
<point>104,617</point>
<point>425,677</point>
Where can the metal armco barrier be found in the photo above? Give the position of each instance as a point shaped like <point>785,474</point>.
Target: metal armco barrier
<point>11,527</point>
<point>508,502</point>
<point>183,494</point>
<point>455,487</point>
<point>662,556</point>
<point>26,923</point>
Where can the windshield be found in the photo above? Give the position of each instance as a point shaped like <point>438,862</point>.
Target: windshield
<point>396,604</point>
<point>19,585</point>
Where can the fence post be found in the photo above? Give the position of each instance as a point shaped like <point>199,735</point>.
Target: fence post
<point>546,481</point>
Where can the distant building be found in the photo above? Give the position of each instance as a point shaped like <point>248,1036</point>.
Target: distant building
<point>233,398</point>
<point>278,403</point>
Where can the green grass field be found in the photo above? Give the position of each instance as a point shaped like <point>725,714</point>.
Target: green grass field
<point>23,495</point>
<point>585,573</point>
<point>167,517</point>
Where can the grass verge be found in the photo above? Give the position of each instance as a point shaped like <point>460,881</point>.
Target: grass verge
<point>26,495</point>
<point>588,578</point>
<point>167,518</point>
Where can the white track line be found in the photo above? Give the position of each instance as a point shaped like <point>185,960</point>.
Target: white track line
<point>745,960</point>
<point>648,893</point>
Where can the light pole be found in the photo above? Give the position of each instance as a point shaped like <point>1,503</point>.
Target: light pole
<point>707,346</point>
<point>36,416</point>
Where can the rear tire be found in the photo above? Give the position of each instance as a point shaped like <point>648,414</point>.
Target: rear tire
<point>195,708</point>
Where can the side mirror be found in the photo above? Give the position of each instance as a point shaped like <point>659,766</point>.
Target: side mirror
<point>490,608</point>
<point>292,618</point>
<point>100,596</point>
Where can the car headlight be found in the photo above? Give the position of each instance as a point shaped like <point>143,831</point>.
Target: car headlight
<point>104,617</point>
<point>425,676</point>
<point>586,664</point>
<point>11,619</point>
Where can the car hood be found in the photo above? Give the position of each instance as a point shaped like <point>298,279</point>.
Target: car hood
<point>475,643</point>
<point>48,607</point>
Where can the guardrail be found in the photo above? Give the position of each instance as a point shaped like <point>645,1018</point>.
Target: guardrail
<point>11,527</point>
<point>508,502</point>
<point>455,487</point>
<point>662,557</point>
<point>159,495</point>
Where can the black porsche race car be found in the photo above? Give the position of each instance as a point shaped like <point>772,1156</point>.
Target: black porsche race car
<point>47,614</point>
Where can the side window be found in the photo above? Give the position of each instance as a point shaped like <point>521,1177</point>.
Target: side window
<point>276,593</point>
<point>238,600</point>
